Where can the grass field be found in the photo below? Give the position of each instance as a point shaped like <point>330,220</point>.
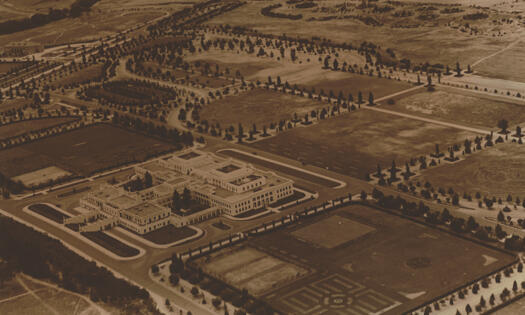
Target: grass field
<point>112,244</point>
<point>6,66</point>
<point>20,128</point>
<point>82,151</point>
<point>48,212</point>
<point>169,234</point>
<point>16,103</point>
<point>494,172</point>
<point>460,106</point>
<point>353,276</point>
<point>355,143</point>
<point>509,65</point>
<point>332,232</point>
<point>257,106</point>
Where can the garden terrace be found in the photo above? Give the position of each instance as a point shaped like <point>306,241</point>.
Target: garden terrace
<point>424,262</point>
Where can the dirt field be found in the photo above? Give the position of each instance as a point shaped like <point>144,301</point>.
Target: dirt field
<point>460,106</point>
<point>354,276</point>
<point>82,151</point>
<point>20,128</point>
<point>257,106</point>
<point>509,65</point>
<point>355,143</point>
<point>493,172</point>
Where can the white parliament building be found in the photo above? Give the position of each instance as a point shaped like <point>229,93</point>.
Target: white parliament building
<point>224,185</point>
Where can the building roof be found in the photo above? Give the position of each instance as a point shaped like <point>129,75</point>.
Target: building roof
<point>123,201</point>
<point>145,210</point>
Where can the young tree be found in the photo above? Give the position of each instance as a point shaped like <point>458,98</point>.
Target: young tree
<point>503,124</point>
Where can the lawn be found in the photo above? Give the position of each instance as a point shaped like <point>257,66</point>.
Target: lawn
<point>356,268</point>
<point>355,143</point>
<point>460,106</point>
<point>48,212</point>
<point>493,172</point>
<point>169,234</point>
<point>257,106</point>
<point>111,244</point>
<point>23,127</point>
<point>82,151</point>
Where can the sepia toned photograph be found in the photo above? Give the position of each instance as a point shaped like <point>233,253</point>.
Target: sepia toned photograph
<point>262,157</point>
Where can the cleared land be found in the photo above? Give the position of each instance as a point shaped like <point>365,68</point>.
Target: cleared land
<point>497,171</point>
<point>460,106</point>
<point>169,234</point>
<point>15,299</point>
<point>257,106</point>
<point>247,65</point>
<point>508,65</point>
<point>355,143</point>
<point>410,37</point>
<point>23,127</point>
<point>82,151</point>
<point>355,275</point>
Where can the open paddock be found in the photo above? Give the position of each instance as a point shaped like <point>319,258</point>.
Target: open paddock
<point>426,42</point>
<point>247,65</point>
<point>508,65</point>
<point>493,172</point>
<point>355,143</point>
<point>27,126</point>
<point>83,151</point>
<point>257,106</point>
<point>460,106</point>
